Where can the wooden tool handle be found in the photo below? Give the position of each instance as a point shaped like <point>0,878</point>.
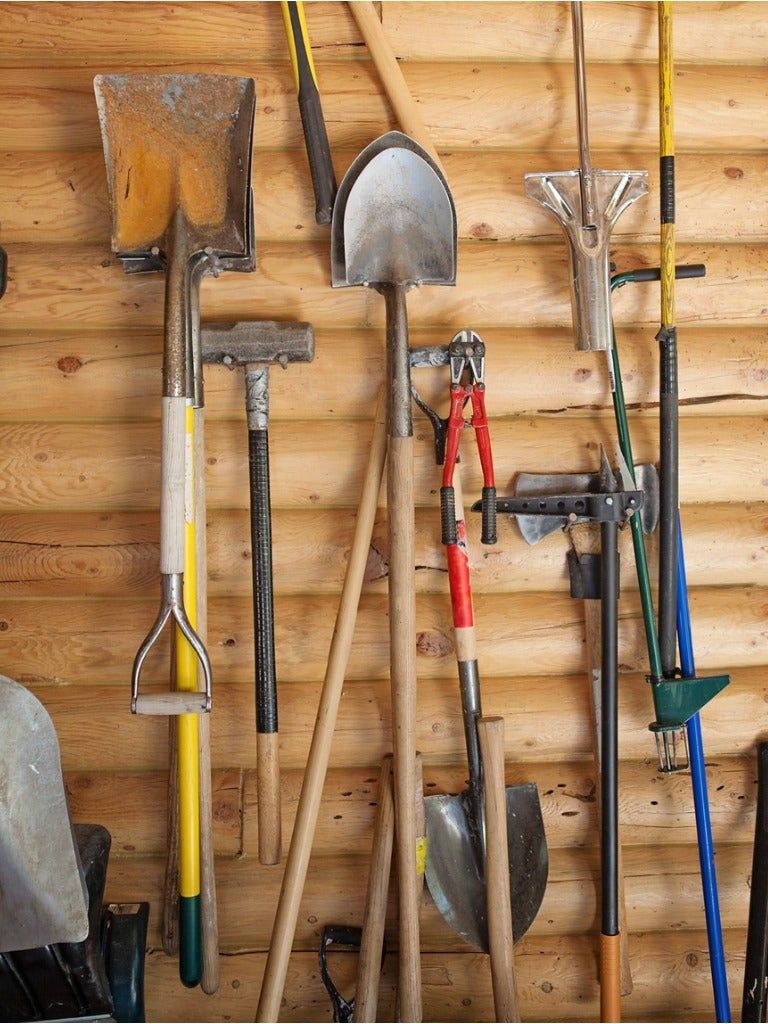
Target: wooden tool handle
<point>500,939</point>
<point>208,911</point>
<point>374,919</point>
<point>175,702</point>
<point>170,927</point>
<point>399,95</point>
<point>610,987</point>
<point>402,640</point>
<point>268,796</point>
<point>295,874</point>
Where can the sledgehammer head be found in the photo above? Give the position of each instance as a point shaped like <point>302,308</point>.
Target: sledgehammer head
<point>258,343</point>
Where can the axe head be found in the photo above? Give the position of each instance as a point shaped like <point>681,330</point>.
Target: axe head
<point>535,528</point>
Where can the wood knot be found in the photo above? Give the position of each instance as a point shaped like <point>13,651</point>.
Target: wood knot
<point>733,172</point>
<point>69,364</point>
<point>431,643</point>
<point>481,230</point>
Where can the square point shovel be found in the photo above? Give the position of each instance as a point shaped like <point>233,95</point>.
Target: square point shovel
<point>394,228</point>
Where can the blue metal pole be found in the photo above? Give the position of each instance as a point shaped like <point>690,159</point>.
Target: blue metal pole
<point>701,800</point>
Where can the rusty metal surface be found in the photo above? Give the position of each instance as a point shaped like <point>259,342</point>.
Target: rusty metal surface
<point>42,895</point>
<point>177,142</point>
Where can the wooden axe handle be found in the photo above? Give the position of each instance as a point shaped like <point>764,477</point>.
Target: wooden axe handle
<point>295,874</point>
<point>405,108</point>
<point>374,919</point>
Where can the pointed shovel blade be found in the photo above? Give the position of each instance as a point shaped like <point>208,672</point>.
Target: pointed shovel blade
<point>454,870</point>
<point>394,221</point>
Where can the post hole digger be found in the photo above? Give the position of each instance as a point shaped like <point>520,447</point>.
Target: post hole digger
<point>456,831</point>
<point>178,158</point>
<point>255,345</point>
<point>609,505</point>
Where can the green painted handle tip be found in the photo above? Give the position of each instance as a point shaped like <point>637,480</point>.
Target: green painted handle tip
<point>190,941</point>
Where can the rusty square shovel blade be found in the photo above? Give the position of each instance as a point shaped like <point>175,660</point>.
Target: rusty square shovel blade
<point>177,142</point>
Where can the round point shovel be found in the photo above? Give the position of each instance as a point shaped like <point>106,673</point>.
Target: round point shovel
<point>394,227</point>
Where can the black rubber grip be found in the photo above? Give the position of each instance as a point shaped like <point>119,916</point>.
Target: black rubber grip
<point>668,497</point>
<point>315,134</point>
<point>667,172</point>
<point>682,271</point>
<point>667,339</point>
<point>3,271</point>
<point>263,604</point>
<point>448,515</point>
<point>488,530</point>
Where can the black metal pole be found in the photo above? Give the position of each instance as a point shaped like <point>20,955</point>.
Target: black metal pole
<point>609,722</point>
<point>756,966</point>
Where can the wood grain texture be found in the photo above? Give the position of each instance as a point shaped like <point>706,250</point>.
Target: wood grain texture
<point>109,467</point>
<point>465,106</point>
<point>95,554</point>
<point>80,33</point>
<point>92,642</point>
<point>60,196</point>
<point>570,906</point>
<point>557,705</point>
<point>88,290</point>
<point>556,976</point>
<point>115,375</point>
<point>653,809</point>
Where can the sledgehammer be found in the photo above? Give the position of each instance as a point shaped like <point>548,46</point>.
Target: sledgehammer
<point>254,344</point>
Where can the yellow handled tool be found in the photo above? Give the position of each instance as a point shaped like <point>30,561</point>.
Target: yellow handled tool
<point>311,110</point>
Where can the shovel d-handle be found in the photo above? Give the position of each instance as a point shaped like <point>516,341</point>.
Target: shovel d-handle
<point>588,247</point>
<point>348,937</point>
<point>267,762</point>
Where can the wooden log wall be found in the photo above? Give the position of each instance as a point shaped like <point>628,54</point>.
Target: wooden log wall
<point>79,448</point>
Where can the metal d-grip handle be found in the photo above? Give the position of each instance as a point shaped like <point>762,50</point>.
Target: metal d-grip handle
<point>175,702</point>
<point>172,574</point>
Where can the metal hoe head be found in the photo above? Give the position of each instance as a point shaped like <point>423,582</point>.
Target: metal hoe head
<point>43,899</point>
<point>259,342</point>
<point>394,221</point>
<point>454,871</point>
<point>178,144</point>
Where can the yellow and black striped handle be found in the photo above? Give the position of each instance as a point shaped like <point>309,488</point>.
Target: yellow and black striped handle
<point>311,110</point>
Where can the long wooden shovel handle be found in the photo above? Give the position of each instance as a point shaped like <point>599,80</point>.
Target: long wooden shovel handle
<point>403,104</point>
<point>210,924</point>
<point>374,919</point>
<point>402,633</point>
<point>295,874</point>
<point>500,938</point>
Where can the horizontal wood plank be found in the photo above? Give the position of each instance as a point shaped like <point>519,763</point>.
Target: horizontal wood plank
<point>547,719</point>
<point>498,285</point>
<point>110,467</point>
<point>95,641</point>
<point>108,375</point>
<point>556,980</point>
<point>247,893</point>
<point>653,808</point>
<point>465,106</point>
<point>81,33</point>
<point>61,197</point>
<point>78,554</point>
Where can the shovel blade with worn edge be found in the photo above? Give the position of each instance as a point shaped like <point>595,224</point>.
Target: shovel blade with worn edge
<point>43,899</point>
<point>454,870</point>
<point>394,221</point>
<point>178,142</point>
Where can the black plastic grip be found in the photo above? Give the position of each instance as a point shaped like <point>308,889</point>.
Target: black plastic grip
<point>755,994</point>
<point>448,515</point>
<point>667,172</point>
<point>488,529</point>
<point>3,271</point>
<point>313,122</point>
<point>682,271</point>
<point>263,604</point>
